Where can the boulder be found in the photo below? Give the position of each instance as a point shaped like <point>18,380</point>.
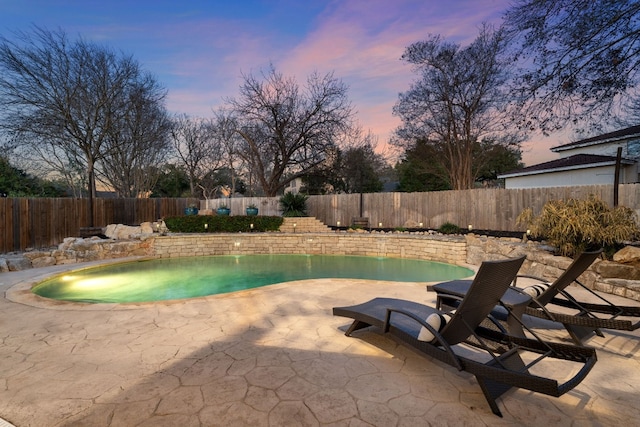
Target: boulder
<point>4,267</point>
<point>160,226</point>
<point>66,243</point>
<point>110,231</point>
<point>627,255</point>
<point>122,232</point>
<point>146,228</point>
<point>44,261</point>
<point>36,254</point>
<point>608,269</point>
<point>18,263</point>
<point>84,245</point>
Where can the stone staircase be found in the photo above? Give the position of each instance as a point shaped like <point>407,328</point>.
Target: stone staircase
<point>304,224</point>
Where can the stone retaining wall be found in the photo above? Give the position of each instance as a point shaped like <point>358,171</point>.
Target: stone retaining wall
<point>74,250</point>
<point>460,250</point>
<point>541,262</point>
<point>450,249</point>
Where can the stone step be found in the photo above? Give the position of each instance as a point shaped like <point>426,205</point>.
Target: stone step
<point>303,225</point>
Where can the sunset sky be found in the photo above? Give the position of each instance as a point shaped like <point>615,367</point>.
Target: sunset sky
<point>198,49</point>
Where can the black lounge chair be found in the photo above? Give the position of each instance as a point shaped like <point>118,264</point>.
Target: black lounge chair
<point>496,359</point>
<point>582,322</point>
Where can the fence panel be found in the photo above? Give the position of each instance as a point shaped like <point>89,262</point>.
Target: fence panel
<point>43,222</point>
<point>33,223</point>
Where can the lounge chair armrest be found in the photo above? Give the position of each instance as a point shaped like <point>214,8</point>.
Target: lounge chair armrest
<point>422,322</point>
<point>450,298</point>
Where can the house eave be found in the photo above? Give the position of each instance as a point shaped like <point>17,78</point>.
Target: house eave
<point>560,169</point>
<point>572,146</point>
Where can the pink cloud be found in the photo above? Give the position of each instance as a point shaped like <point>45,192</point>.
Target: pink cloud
<point>201,58</point>
<point>362,42</point>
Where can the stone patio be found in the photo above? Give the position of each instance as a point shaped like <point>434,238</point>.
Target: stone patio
<point>273,356</point>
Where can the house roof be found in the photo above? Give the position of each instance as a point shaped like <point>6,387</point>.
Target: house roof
<point>578,161</point>
<point>630,132</point>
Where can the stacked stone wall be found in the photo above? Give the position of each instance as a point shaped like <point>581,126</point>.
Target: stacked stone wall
<point>469,250</point>
<point>435,248</point>
<point>541,262</point>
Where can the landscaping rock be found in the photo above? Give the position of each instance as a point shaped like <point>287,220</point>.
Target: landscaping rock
<point>146,228</point>
<point>608,270</point>
<point>122,232</point>
<point>160,227</point>
<point>44,261</point>
<point>36,254</point>
<point>4,267</point>
<point>627,255</point>
<point>18,263</point>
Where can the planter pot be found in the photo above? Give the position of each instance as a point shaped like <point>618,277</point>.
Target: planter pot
<point>223,211</point>
<point>252,211</point>
<point>191,211</point>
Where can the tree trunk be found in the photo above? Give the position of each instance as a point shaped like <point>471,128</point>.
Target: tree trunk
<point>92,191</point>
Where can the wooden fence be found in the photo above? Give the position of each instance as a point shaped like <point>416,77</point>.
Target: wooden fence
<point>483,209</point>
<point>38,223</point>
<point>43,222</point>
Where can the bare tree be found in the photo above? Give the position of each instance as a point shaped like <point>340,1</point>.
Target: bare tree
<point>139,143</point>
<point>579,58</point>
<point>198,151</point>
<point>288,130</point>
<point>63,95</point>
<point>225,126</point>
<point>457,102</point>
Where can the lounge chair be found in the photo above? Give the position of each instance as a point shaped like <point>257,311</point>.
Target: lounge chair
<point>582,322</point>
<point>496,357</point>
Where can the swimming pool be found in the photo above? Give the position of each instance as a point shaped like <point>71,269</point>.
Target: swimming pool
<point>179,278</point>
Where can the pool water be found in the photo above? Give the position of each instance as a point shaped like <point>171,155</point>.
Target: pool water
<point>178,278</point>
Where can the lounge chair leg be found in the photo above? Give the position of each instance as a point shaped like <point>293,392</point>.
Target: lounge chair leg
<point>488,395</point>
<point>493,389</point>
<point>580,333</point>
<point>357,324</point>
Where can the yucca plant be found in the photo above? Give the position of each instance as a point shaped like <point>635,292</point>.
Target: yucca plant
<point>293,204</point>
<point>575,225</point>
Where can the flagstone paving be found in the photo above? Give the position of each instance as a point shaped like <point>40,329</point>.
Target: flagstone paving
<point>273,356</point>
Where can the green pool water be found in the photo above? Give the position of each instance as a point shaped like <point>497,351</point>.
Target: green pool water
<point>178,278</point>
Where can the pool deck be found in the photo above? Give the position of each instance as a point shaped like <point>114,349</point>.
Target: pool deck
<point>273,356</point>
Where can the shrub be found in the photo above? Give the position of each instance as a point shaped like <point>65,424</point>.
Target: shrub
<point>449,228</point>
<point>573,226</point>
<point>293,204</point>
<point>222,224</point>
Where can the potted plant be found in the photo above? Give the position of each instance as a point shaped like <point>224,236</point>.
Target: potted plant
<point>192,209</point>
<point>223,210</point>
<point>252,210</point>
